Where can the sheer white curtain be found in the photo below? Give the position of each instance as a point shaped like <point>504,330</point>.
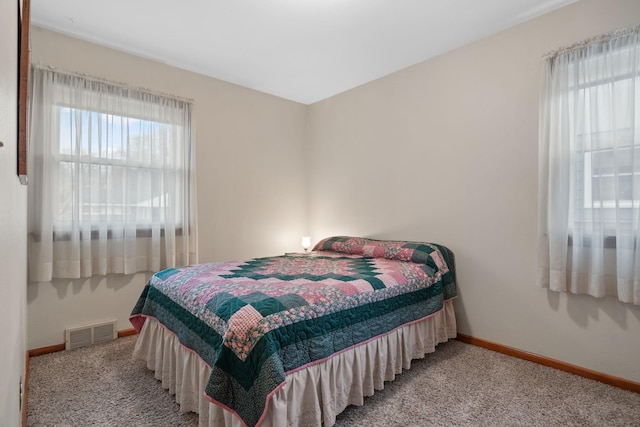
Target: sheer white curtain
<point>589,192</point>
<point>112,181</point>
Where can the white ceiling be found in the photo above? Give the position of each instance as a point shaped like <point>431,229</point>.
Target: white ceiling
<point>302,50</point>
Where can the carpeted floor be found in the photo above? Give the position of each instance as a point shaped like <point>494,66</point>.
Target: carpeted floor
<point>458,385</point>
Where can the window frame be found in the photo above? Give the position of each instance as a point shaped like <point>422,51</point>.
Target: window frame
<point>63,232</point>
<point>583,192</point>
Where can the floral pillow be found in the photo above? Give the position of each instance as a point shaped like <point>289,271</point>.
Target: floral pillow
<point>420,253</point>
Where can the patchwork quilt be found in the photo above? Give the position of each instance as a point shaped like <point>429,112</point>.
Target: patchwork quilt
<point>253,322</point>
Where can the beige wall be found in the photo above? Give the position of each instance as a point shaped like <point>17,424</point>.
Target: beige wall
<point>250,179</point>
<point>446,151</point>
<point>13,227</point>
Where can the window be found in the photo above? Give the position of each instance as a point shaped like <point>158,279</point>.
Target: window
<point>607,170</point>
<point>114,190</point>
<point>589,219</point>
<point>101,170</point>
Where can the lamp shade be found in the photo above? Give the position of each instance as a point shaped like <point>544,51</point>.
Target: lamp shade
<point>306,242</point>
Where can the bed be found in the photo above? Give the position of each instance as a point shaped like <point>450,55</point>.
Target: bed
<point>294,339</point>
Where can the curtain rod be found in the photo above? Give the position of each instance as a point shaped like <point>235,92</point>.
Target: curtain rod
<point>602,38</point>
<point>110,82</point>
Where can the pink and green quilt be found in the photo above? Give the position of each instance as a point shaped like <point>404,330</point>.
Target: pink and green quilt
<point>255,321</point>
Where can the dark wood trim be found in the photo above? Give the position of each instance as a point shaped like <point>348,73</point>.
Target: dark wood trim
<point>126,333</point>
<point>25,389</point>
<point>552,363</point>
<point>46,350</point>
<point>23,91</point>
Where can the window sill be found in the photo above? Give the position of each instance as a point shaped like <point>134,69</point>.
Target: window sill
<point>609,242</point>
<point>62,236</point>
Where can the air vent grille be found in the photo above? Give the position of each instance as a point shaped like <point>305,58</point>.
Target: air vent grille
<point>90,334</point>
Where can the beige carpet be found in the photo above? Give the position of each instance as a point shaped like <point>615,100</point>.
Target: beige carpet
<point>458,385</point>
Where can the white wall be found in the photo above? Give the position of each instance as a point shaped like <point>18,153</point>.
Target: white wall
<point>250,179</point>
<point>13,226</point>
<point>446,151</point>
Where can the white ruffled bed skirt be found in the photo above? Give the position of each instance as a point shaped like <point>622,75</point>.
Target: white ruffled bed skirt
<point>313,395</point>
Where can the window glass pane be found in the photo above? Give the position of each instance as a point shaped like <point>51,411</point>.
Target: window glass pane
<point>118,165</point>
<point>607,160</point>
<point>66,177</point>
